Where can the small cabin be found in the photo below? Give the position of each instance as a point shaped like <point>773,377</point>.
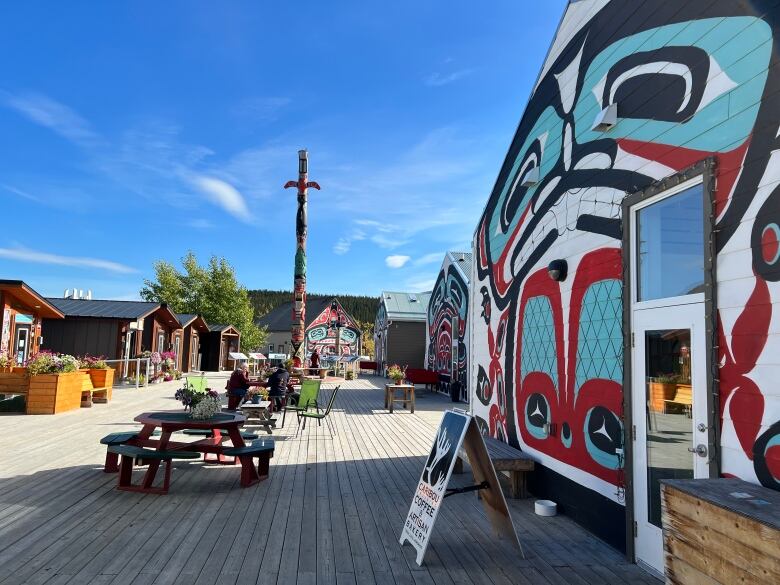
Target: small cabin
<point>219,343</point>
<point>113,329</point>
<point>399,331</point>
<point>194,328</point>
<point>23,312</point>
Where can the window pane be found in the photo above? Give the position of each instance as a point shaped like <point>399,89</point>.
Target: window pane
<point>669,404</point>
<point>670,236</point>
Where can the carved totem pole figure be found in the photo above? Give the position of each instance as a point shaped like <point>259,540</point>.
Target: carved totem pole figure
<point>299,281</point>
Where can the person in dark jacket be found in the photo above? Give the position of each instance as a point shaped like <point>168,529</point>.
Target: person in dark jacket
<point>277,385</point>
<point>238,386</point>
<point>315,359</point>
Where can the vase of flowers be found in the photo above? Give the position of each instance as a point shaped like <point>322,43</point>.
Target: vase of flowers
<point>396,373</point>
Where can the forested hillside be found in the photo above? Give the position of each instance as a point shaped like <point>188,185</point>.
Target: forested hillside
<point>361,308</point>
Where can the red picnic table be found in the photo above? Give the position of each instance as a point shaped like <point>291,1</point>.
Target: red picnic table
<point>170,422</point>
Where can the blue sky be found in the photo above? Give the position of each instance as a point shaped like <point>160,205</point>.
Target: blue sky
<point>136,131</point>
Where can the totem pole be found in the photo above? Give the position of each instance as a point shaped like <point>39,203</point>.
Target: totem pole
<point>299,281</point>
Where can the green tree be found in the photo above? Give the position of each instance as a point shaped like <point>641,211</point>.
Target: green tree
<point>211,291</point>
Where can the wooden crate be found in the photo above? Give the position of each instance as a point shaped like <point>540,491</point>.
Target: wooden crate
<point>13,382</point>
<point>54,393</point>
<point>720,531</point>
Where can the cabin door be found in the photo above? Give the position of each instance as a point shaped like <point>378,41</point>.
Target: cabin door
<point>22,343</point>
<point>669,381</point>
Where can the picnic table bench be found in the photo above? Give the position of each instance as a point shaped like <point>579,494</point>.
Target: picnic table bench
<point>505,458</point>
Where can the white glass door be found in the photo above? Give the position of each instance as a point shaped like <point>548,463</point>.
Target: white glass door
<point>669,396</point>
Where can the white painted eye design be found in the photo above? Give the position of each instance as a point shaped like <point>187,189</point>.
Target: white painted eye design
<point>684,81</point>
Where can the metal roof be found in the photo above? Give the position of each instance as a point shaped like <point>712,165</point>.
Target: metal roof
<point>220,328</point>
<point>406,306</point>
<point>186,319</point>
<point>23,293</point>
<point>280,318</point>
<point>103,308</point>
<point>463,260</point>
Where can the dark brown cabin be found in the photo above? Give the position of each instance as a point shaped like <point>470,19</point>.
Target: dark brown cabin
<point>222,339</point>
<point>195,330</point>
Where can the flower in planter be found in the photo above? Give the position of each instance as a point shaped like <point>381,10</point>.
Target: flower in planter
<point>396,373</point>
<point>156,357</point>
<point>206,408</point>
<point>47,362</point>
<point>5,360</point>
<point>92,362</point>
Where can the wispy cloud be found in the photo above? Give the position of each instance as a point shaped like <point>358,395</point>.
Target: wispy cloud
<point>437,79</point>
<point>224,195</point>
<point>20,193</point>
<point>22,254</point>
<point>200,224</point>
<point>344,243</point>
<point>420,282</point>
<point>429,259</point>
<point>53,115</point>
<point>396,261</point>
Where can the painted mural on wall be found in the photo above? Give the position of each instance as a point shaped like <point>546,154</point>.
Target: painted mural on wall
<point>692,80</point>
<point>322,337</point>
<point>447,310</point>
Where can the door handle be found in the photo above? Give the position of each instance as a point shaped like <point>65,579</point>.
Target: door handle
<point>700,450</point>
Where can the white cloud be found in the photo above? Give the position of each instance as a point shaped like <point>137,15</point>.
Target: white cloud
<point>429,259</point>
<point>344,243</point>
<point>438,79</point>
<point>200,224</point>
<point>53,115</point>
<point>224,195</point>
<point>26,255</point>
<point>420,283</point>
<point>396,261</point>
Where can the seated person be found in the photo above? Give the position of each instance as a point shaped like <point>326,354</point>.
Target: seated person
<point>277,385</point>
<point>238,386</point>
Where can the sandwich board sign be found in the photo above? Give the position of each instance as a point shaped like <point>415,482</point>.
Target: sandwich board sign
<point>457,429</point>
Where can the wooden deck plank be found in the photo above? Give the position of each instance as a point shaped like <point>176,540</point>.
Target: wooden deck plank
<point>329,514</point>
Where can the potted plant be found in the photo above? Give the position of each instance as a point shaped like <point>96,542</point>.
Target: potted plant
<point>396,373</point>
<point>101,375</point>
<point>6,364</point>
<point>56,383</point>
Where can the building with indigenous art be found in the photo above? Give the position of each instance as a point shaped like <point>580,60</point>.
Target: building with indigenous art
<point>447,322</point>
<point>319,333</point>
<point>624,294</point>
<point>399,330</point>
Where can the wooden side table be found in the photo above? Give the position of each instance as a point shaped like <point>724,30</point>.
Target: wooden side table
<point>391,398</point>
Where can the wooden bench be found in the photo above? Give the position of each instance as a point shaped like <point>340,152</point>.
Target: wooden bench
<point>263,450</point>
<point>505,458</point>
<point>423,376</point>
<point>248,435</point>
<point>90,394</point>
<point>683,397</point>
<point>130,454</point>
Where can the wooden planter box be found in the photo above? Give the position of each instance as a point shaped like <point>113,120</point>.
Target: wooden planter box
<point>13,382</point>
<point>102,379</point>
<point>720,531</point>
<point>54,393</point>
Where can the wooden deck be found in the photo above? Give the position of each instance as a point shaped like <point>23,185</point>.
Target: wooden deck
<point>331,511</point>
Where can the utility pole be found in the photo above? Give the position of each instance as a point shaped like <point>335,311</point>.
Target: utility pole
<point>299,279</point>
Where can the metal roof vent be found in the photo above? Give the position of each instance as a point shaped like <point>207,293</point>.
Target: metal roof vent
<point>412,298</point>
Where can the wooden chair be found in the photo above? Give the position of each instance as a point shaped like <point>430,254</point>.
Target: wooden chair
<point>682,397</point>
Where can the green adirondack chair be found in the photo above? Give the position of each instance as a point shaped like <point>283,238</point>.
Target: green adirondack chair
<point>310,389</point>
<point>197,383</point>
